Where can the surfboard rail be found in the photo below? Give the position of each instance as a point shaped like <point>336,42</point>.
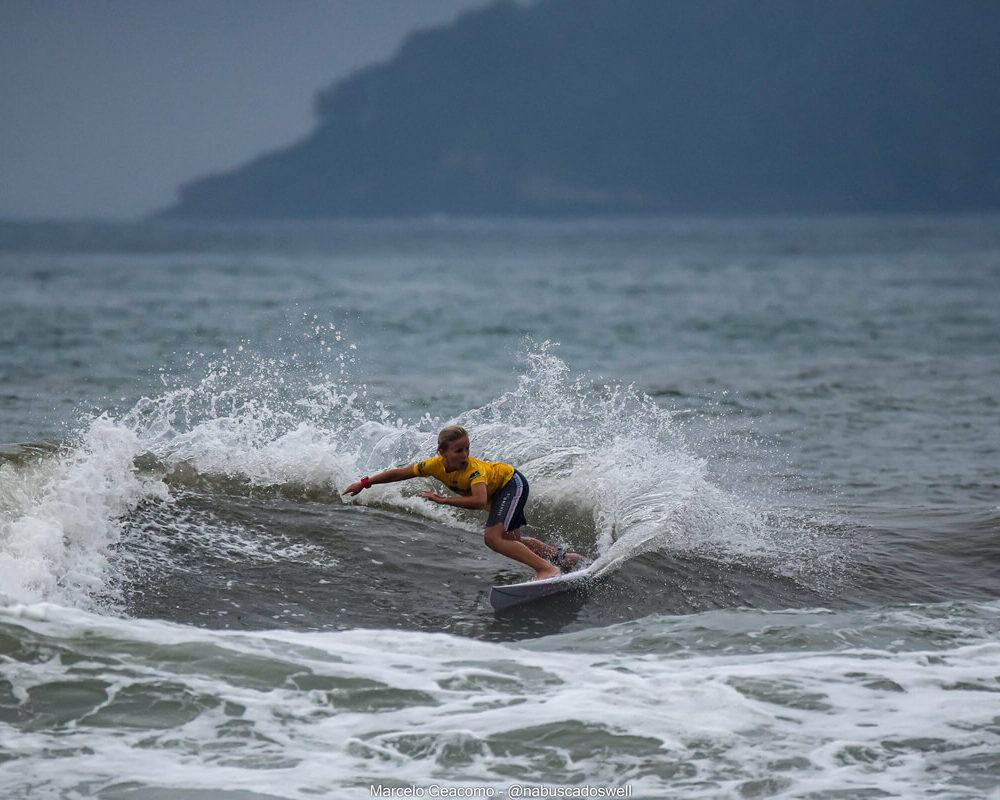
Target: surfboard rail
<point>512,594</point>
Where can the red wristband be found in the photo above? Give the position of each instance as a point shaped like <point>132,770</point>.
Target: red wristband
<point>366,483</point>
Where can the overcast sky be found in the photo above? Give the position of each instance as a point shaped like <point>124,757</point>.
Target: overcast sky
<point>106,106</point>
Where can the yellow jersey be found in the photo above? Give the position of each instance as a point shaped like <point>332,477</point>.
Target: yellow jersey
<point>493,474</point>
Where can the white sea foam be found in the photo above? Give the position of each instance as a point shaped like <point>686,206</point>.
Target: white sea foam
<point>60,515</point>
<point>613,451</point>
<point>151,705</point>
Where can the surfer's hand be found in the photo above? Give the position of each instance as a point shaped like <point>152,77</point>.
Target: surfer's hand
<point>434,498</point>
<point>353,489</point>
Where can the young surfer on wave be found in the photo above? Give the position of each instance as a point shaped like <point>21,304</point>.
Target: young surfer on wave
<point>482,484</point>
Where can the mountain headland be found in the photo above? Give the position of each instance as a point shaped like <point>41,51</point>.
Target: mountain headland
<point>596,107</point>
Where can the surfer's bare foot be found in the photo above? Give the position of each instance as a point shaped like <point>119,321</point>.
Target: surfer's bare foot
<point>569,562</point>
<point>550,572</point>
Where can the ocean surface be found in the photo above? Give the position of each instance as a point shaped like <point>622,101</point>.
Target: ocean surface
<point>777,441</point>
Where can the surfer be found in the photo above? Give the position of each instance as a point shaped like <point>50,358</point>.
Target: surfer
<point>481,485</point>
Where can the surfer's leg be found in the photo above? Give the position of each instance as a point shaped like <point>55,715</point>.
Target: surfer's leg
<point>507,512</point>
<point>567,562</point>
<point>509,544</point>
<point>537,547</point>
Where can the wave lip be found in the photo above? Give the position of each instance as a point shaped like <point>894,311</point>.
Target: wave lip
<point>60,512</point>
<point>612,475</point>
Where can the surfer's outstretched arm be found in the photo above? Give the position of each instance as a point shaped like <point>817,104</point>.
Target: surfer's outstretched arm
<point>476,501</point>
<point>388,476</point>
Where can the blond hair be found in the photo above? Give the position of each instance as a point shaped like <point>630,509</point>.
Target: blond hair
<point>450,434</point>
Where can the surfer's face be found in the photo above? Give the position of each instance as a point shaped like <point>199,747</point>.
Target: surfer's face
<point>456,454</point>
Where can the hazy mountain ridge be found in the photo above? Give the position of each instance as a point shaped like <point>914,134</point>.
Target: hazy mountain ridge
<point>594,106</point>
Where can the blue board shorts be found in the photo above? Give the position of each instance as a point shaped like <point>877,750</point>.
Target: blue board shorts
<point>507,505</point>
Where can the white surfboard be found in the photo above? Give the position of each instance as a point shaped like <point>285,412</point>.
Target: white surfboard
<point>516,593</point>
